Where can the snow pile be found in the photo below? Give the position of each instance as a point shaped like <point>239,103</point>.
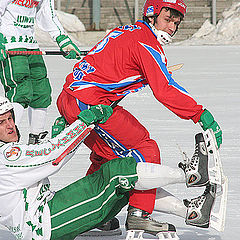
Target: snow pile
<point>70,23</point>
<point>227,31</point>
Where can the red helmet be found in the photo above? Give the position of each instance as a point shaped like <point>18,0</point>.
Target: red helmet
<point>152,7</point>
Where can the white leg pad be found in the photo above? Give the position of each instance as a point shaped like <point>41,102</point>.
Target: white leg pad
<point>18,112</point>
<point>167,203</point>
<point>152,175</point>
<point>37,119</point>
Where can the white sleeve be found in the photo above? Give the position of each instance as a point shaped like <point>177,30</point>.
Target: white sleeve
<point>29,164</point>
<point>47,19</point>
<point>3,6</point>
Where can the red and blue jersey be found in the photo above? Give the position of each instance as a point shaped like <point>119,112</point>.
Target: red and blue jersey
<point>125,61</point>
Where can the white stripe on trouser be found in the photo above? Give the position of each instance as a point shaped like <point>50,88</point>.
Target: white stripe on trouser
<point>90,200</point>
<point>11,73</point>
<point>4,76</point>
<point>85,215</point>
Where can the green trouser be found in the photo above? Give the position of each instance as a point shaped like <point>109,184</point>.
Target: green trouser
<point>92,200</point>
<point>24,78</point>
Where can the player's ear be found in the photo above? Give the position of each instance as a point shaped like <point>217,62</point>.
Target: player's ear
<point>151,20</point>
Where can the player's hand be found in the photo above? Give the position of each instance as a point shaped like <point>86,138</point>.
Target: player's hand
<point>96,114</point>
<point>58,126</point>
<point>69,49</point>
<point>207,122</point>
<point>3,54</point>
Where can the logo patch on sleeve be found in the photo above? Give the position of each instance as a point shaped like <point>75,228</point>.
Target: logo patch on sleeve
<point>124,183</point>
<point>12,153</point>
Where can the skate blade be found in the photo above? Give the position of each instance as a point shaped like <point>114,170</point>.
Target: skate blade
<point>168,235</point>
<point>96,232</point>
<point>138,235</point>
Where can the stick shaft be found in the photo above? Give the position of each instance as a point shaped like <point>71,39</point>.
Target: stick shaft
<point>80,138</point>
<point>83,53</point>
<point>75,144</point>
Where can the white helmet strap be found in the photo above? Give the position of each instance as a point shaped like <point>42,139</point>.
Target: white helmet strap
<point>163,37</point>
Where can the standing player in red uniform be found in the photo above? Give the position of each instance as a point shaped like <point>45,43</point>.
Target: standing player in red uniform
<point>125,61</point>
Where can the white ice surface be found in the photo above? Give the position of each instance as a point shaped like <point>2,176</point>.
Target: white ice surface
<point>211,75</point>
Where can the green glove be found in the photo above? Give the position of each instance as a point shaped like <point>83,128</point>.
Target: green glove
<point>68,47</point>
<point>99,113</point>
<point>58,126</point>
<point>207,122</point>
<point>3,54</point>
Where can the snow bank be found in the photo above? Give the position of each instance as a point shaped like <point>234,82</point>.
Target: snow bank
<point>70,22</point>
<point>227,31</point>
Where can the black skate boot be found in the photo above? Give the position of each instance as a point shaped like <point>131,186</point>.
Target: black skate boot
<point>199,209</point>
<point>111,225</point>
<point>37,138</point>
<point>140,221</point>
<point>110,228</point>
<point>196,169</point>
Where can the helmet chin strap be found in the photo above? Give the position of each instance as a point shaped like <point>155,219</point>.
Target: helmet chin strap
<point>163,37</point>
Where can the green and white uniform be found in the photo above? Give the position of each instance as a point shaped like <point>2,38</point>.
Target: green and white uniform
<point>30,210</point>
<point>25,77</point>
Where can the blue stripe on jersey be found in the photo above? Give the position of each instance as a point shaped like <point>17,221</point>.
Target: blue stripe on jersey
<point>108,87</point>
<point>158,58</point>
<point>82,106</point>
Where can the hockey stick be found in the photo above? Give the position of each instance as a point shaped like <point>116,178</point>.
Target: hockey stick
<point>74,145</point>
<point>87,130</point>
<point>51,53</point>
<point>80,138</point>
<point>175,67</point>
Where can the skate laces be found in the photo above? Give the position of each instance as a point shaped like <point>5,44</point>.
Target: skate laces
<point>192,164</point>
<point>197,202</point>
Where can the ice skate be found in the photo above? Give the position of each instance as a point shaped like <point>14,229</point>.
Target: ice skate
<point>110,228</point>
<point>139,222</point>
<point>199,209</point>
<point>37,138</point>
<point>196,169</point>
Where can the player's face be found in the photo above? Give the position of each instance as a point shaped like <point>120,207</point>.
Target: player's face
<point>166,23</point>
<point>8,132</point>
